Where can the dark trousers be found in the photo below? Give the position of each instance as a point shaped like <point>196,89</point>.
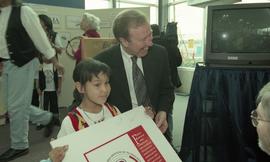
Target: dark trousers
<point>35,98</point>
<point>169,134</point>
<point>50,97</point>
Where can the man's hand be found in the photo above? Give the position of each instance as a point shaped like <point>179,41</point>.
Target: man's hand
<point>149,111</point>
<point>57,65</point>
<point>161,121</point>
<point>60,68</point>
<point>57,154</point>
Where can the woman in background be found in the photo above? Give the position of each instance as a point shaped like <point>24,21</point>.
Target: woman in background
<point>46,23</point>
<point>90,24</point>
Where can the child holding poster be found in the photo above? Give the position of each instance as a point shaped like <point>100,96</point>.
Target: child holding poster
<point>91,79</point>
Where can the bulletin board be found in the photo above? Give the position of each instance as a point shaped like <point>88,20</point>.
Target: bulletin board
<point>92,46</point>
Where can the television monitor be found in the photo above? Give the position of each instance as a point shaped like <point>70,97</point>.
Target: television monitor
<point>238,34</point>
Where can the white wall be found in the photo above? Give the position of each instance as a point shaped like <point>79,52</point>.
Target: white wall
<point>186,76</point>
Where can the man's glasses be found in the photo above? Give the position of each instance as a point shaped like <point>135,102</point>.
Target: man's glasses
<point>254,118</point>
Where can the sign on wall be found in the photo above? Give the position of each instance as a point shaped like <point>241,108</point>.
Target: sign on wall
<point>73,22</point>
<point>56,20</point>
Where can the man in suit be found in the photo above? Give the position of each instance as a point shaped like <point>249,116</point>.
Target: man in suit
<point>22,37</point>
<point>133,32</point>
<point>260,118</point>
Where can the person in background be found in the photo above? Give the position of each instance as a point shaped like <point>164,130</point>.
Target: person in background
<point>46,23</point>
<point>132,30</point>
<point>22,38</point>
<point>260,118</point>
<point>49,82</point>
<point>49,85</point>
<point>90,24</point>
<point>173,52</point>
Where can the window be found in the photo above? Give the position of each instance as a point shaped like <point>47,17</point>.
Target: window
<point>142,3</point>
<point>97,4</point>
<point>190,31</point>
<point>139,1</point>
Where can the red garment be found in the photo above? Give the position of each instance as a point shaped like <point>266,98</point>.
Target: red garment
<point>78,122</point>
<point>88,33</point>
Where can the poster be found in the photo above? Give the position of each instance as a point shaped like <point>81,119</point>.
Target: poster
<point>129,137</point>
<point>92,46</point>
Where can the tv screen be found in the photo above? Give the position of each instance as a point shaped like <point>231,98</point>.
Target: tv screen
<point>238,34</point>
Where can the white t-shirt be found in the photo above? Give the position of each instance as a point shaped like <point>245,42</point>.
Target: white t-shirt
<point>48,70</point>
<point>49,77</point>
<point>67,127</point>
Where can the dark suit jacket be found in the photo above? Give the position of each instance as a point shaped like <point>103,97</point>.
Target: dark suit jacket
<point>156,73</point>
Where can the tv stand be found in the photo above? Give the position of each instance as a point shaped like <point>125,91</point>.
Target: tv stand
<point>217,124</point>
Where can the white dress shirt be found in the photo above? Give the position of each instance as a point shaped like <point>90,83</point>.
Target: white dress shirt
<point>128,68</point>
<point>32,25</point>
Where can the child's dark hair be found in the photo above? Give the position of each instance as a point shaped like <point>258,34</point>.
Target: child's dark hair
<point>47,21</point>
<point>86,69</point>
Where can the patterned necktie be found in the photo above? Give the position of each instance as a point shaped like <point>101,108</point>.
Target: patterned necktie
<point>139,84</point>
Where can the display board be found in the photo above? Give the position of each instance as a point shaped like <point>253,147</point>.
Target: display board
<point>92,46</point>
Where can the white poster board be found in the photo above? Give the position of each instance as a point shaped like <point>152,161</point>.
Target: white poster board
<point>130,137</point>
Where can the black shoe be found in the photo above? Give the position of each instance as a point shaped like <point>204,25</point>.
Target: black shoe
<point>7,118</point>
<point>12,154</point>
<point>57,122</point>
<point>49,127</point>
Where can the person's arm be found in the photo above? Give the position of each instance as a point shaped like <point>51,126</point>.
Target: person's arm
<point>36,80</point>
<point>37,87</point>
<point>59,84</point>
<point>77,54</point>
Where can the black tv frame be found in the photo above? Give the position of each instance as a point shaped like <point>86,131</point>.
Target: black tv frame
<point>233,59</point>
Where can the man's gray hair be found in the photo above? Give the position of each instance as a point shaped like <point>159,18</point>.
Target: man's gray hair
<point>92,21</point>
<point>264,98</point>
<point>125,20</point>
